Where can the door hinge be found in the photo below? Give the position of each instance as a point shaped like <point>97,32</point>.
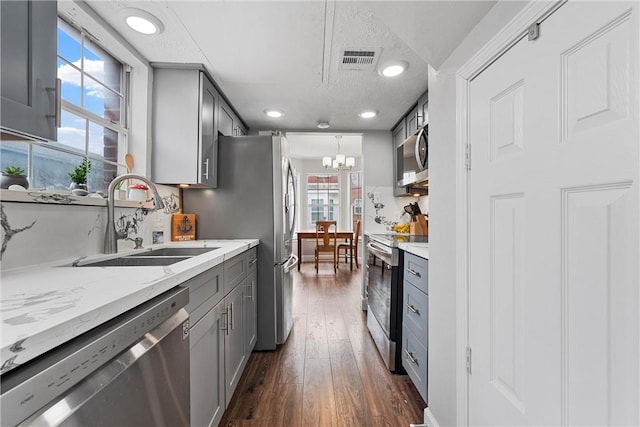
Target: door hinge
<point>467,157</point>
<point>469,360</point>
<point>533,31</point>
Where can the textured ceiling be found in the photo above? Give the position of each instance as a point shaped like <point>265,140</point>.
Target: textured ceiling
<point>285,55</point>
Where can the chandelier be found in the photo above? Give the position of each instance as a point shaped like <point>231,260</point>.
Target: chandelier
<point>340,162</point>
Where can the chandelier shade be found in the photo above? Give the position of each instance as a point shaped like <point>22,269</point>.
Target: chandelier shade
<point>340,161</point>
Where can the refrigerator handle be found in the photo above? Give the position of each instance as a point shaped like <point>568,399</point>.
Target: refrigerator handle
<point>292,262</point>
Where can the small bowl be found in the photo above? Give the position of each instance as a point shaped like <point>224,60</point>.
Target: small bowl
<point>79,192</point>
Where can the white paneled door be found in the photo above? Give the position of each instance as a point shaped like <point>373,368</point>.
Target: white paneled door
<point>554,329</point>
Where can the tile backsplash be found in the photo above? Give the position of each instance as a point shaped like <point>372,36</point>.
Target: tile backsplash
<point>34,233</point>
<point>382,209</point>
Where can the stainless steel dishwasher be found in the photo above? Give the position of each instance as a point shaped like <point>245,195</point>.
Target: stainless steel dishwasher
<point>130,371</point>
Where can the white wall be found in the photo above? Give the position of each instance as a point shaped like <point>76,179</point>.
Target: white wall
<point>442,204</point>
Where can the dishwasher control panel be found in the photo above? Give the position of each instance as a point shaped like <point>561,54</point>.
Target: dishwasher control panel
<point>29,388</point>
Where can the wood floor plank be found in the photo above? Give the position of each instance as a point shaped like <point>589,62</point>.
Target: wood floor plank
<point>347,385</point>
<point>318,395</point>
<point>317,345</point>
<point>287,405</point>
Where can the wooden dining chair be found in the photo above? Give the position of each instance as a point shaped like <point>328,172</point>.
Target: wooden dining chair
<point>351,248</point>
<point>326,241</point>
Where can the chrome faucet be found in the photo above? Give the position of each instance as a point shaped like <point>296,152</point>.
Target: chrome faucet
<point>111,237</point>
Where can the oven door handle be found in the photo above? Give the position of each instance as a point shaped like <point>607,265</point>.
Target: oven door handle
<point>381,253</point>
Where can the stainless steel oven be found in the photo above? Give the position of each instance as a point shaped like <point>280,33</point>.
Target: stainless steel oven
<point>384,300</point>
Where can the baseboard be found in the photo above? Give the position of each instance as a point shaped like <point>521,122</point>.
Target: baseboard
<point>429,419</point>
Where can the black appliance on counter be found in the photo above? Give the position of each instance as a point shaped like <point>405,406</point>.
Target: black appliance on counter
<point>384,273</point>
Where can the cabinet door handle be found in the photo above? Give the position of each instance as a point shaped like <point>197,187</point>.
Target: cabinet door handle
<point>250,288</point>
<point>410,356</point>
<point>226,322</point>
<point>253,262</point>
<point>231,316</point>
<point>57,115</point>
<point>415,273</point>
<point>206,171</point>
<point>412,308</point>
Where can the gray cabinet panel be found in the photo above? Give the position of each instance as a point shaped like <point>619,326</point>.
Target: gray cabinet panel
<point>251,312</point>
<point>206,343</point>
<point>416,312</point>
<point>226,120</point>
<point>184,136</point>
<point>414,361</point>
<point>416,271</point>
<point>234,356</point>
<point>28,67</point>
<point>205,291</point>
<point>235,269</point>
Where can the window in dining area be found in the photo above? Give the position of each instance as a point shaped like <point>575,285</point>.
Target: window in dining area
<point>323,198</point>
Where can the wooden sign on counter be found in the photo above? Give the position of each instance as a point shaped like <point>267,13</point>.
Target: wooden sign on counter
<point>183,227</point>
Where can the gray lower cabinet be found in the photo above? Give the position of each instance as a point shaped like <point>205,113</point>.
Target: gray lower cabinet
<point>207,368</point>
<point>415,321</point>
<point>251,312</point>
<point>222,310</point>
<point>28,68</point>
<point>234,355</point>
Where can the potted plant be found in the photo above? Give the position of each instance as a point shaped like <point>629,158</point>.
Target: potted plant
<point>79,176</point>
<point>14,175</point>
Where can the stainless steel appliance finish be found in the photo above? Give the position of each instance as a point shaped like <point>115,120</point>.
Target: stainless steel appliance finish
<point>255,198</point>
<point>385,293</point>
<point>132,370</point>
<point>384,297</point>
<point>413,159</point>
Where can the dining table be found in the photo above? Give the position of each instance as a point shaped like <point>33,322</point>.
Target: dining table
<point>346,235</point>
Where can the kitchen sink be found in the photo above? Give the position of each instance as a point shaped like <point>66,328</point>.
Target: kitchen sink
<point>135,261</point>
<point>152,258</point>
<point>174,252</point>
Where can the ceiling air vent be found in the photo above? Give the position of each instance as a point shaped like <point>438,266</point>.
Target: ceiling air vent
<point>359,59</point>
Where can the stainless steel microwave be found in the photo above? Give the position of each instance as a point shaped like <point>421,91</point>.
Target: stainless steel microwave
<point>412,158</point>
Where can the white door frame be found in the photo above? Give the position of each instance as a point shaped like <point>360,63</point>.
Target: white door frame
<point>534,12</point>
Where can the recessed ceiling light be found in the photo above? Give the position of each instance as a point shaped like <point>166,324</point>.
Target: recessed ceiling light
<point>393,68</point>
<point>142,21</point>
<point>323,125</point>
<point>274,113</point>
<point>368,114</point>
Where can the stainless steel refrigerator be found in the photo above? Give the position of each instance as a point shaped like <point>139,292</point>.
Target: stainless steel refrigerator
<point>255,198</point>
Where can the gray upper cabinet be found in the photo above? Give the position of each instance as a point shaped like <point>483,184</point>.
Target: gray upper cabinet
<point>399,134</point>
<point>413,121</point>
<point>423,109</point>
<point>28,68</point>
<point>185,139</point>
<point>226,119</point>
<point>230,123</point>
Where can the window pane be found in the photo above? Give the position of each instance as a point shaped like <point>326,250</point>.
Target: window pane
<point>102,66</point>
<point>50,168</point>
<point>14,154</point>
<point>100,175</point>
<point>323,198</point>
<point>73,132</point>
<point>100,100</point>
<point>68,43</point>
<point>103,142</point>
<point>71,82</point>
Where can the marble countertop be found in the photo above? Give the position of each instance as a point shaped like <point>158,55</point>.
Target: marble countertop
<point>418,249</point>
<point>46,305</point>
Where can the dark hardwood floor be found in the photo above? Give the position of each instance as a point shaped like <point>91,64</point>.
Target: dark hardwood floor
<point>329,372</point>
